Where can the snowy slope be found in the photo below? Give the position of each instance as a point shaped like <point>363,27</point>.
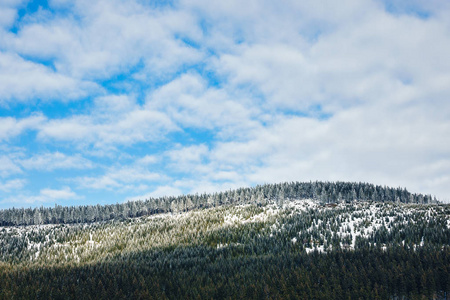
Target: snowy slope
<point>301,225</point>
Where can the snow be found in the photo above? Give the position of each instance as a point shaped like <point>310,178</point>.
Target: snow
<point>320,249</point>
<point>351,220</point>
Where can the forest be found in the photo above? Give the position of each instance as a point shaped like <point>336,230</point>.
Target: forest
<point>325,192</point>
<point>279,241</point>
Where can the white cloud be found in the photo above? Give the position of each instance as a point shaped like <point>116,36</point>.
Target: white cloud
<point>121,179</point>
<point>375,142</point>
<point>191,103</point>
<point>12,185</point>
<point>147,160</point>
<point>8,12</point>
<point>363,144</point>
<point>188,155</point>
<point>23,80</point>
<point>367,61</point>
<point>384,77</point>
<point>7,16</point>
<point>115,121</point>
<point>56,160</point>
<point>97,40</point>
<point>44,196</point>
<point>299,90</point>
<point>8,167</point>
<point>104,38</point>
<point>114,104</point>
<point>416,7</point>
<point>62,194</point>
<point>12,127</point>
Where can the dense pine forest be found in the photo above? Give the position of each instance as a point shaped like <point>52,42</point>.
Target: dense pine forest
<point>279,241</point>
<point>325,192</point>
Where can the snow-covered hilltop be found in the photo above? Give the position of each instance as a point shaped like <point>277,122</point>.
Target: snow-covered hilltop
<point>324,192</point>
<point>300,225</point>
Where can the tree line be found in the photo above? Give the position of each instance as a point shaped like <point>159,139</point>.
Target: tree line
<point>325,192</point>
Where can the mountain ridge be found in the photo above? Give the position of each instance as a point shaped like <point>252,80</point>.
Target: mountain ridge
<point>325,192</point>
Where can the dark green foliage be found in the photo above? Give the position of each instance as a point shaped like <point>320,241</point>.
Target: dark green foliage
<point>204,273</point>
<point>376,248</point>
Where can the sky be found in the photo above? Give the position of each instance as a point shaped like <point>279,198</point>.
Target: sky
<point>106,101</point>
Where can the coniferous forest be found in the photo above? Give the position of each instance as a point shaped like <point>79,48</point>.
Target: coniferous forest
<point>311,240</point>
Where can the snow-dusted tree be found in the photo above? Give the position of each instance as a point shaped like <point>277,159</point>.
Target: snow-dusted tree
<point>37,218</point>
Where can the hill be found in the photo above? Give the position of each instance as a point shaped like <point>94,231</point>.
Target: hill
<point>324,192</point>
<point>250,245</point>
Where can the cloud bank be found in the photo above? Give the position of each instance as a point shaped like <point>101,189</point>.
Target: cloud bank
<point>104,101</point>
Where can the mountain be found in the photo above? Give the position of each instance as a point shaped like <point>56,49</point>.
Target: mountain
<point>324,192</point>
<point>267,242</point>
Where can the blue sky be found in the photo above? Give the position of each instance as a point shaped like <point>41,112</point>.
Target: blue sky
<point>104,101</point>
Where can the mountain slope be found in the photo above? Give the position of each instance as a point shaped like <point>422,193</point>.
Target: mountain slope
<point>304,225</point>
<point>295,248</point>
<point>324,192</point>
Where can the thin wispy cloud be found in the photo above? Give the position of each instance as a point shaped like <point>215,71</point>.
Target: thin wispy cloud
<point>57,160</point>
<point>104,101</point>
<point>44,197</point>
